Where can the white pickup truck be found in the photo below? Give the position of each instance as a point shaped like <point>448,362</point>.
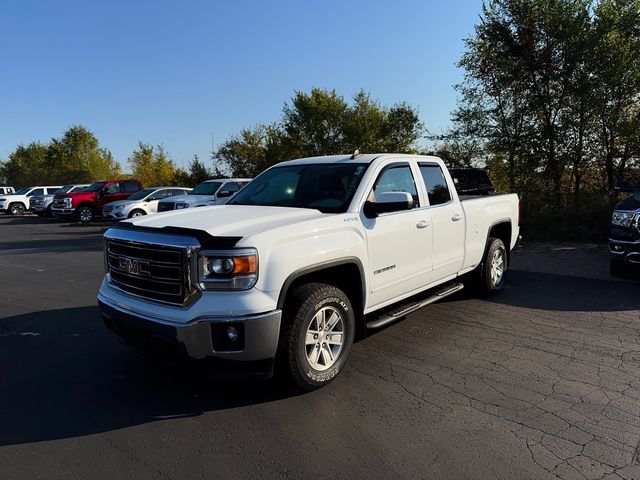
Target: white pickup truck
<point>309,254</point>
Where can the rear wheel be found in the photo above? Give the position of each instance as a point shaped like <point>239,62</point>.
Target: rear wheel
<point>137,213</point>
<point>16,209</point>
<point>318,336</point>
<point>85,214</point>
<point>492,268</point>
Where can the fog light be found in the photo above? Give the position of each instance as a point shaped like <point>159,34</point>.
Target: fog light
<point>232,334</point>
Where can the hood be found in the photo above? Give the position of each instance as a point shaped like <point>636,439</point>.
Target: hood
<point>229,220</point>
<point>75,194</point>
<point>630,203</point>
<point>188,199</point>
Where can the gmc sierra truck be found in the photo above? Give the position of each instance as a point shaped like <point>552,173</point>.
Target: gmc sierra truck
<point>309,254</point>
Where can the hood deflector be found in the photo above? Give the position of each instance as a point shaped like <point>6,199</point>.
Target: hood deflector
<point>207,241</point>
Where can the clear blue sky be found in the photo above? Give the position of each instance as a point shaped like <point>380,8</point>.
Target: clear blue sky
<point>172,73</point>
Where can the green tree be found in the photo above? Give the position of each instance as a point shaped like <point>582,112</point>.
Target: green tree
<point>77,157</point>
<point>152,166</point>
<point>26,166</point>
<point>322,123</point>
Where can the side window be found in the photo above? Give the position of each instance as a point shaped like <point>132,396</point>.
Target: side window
<point>160,194</point>
<point>232,187</point>
<point>396,178</point>
<point>177,191</point>
<point>36,191</point>
<point>130,187</point>
<point>435,183</point>
<point>111,189</point>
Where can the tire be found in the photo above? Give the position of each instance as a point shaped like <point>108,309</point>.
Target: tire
<point>85,214</point>
<point>310,307</point>
<point>618,268</point>
<point>16,209</point>
<point>492,268</point>
<point>137,213</point>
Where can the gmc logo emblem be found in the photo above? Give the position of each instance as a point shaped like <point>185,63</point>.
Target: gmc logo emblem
<point>134,266</point>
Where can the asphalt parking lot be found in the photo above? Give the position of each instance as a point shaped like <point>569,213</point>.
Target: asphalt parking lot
<point>539,381</point>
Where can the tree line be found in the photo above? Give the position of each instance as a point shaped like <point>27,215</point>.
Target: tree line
<point>549,103</point>
<point>77,157</point>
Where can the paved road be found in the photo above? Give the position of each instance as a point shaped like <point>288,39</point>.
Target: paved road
<point>540,381</point>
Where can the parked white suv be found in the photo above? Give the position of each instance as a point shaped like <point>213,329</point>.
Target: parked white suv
<point>308,253</point>
<point>18,202</point>
<point>210,192</point>
<point>144,202</point>
<point>41,204</point>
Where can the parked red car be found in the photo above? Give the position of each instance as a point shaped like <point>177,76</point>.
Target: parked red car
<point>85,205</point>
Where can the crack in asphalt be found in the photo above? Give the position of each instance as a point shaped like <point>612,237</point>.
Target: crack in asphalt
<point>568,384</point>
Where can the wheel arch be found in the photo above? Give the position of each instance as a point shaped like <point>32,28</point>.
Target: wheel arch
<point>503,230</point>
<point>347,274</point>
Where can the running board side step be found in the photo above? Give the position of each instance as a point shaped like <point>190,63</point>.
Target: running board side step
<point>413,304</point>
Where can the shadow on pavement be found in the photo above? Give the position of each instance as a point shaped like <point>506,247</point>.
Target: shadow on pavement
<point>89,243</point>
<point>66,375</point>
<point>546,291</point>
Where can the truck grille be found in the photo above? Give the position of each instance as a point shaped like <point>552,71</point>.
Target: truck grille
<point>151,271</point>
<point>58,203</point>
<point>166,206</point>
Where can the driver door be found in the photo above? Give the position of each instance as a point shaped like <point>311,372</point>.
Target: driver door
<point>151,204</point>
<point>399,243</point>
<point>110,193</point>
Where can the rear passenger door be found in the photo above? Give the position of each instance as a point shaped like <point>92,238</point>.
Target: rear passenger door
<point>448,222</point>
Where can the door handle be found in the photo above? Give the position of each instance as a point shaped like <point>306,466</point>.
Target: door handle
<point>422,224</point>
<point>456,217</point>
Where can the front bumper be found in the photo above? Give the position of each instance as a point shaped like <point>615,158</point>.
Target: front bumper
<point>203,339</point>
<point>628,251</point>
<point>63,212</point>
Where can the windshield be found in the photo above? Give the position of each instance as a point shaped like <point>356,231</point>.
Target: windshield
<point>94,187</point>
<point>206,188</point>
<point>142,194</point>
<point>325,187</point>
<point>22,191</point>
<point>64,189</point>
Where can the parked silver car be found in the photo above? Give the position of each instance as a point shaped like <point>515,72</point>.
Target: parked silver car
<point>144,202</point>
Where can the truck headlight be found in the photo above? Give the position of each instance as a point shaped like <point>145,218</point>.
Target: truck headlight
<point>623,218</point>
<point>228,269</point>
<point>181,205</point>
<point>67,202</point>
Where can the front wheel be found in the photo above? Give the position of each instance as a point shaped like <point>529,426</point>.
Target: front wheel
<point>319,334</point>
<point>85,214</point>
<point>16,209</point>
<point>137,213</point>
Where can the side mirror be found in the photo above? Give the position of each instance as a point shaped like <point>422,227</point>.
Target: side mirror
<point>388,202</point>
<point>224,193</point>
